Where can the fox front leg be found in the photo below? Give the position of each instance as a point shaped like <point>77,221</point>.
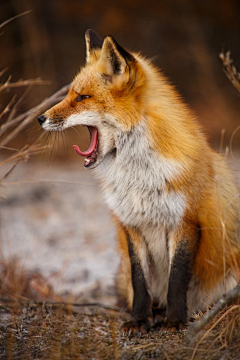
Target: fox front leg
<point>142,303</point>
<point>180,276</point>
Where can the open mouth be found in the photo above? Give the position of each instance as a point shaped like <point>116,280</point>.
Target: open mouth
<point>92,152</point>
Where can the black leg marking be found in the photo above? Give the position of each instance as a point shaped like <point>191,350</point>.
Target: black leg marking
<point>142,304</point>
<point>180,276</point>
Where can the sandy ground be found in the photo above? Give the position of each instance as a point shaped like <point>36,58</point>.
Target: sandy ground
<point>61,229</point>
<point>53,220</point>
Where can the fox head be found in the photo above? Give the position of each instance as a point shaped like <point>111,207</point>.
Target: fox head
<point>105,96</point>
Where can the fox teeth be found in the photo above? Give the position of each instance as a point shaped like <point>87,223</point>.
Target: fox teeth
<point>87,161</point>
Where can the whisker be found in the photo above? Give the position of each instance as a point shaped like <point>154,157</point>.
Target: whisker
<point>57,147</point>
<point>44,139</point>
<point>39,134</point>
<point>63,142</point>
<point>48,140</point>
<point>66,138</point>
<point>63,135</point>
<point>58,136</point>
<point>52,145</point>
<point>72,127</point>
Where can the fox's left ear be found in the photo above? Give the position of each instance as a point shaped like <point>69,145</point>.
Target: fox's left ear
<point>93,43</point>
<point>115,61</point>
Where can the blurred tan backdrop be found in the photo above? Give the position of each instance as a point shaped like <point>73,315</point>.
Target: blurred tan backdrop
<point>184,37</point>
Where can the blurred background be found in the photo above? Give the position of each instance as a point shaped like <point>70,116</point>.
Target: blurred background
<point>184,37</point>
<point>52,215</point>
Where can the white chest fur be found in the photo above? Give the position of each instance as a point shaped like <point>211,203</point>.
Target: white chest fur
<point>134,183</point>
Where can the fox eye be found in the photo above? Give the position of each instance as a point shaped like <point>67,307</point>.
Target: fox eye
<point>82,97</point>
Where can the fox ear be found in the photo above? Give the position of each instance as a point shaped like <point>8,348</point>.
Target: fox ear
<point>114,60</point>
<point>93,42</point>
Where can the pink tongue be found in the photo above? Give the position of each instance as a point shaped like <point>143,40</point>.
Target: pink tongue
<point>93,144</point>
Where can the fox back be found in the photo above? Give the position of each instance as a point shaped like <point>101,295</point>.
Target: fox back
<point>173,198</point>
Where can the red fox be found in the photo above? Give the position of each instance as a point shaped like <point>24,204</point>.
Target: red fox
<point>174,200</point>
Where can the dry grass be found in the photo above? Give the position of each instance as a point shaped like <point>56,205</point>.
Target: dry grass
<point>31,330</point>
<point>10,124</point>
<point>16,283</point>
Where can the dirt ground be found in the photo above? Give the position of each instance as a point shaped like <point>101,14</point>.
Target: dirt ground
<point>58,234</point>
<point>54,221</point>
<point>42,331</point>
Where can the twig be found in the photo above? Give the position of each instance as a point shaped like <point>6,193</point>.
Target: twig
<point>14,18</point>
<point>195,327</point>
<point>8,107</point>
<point>31,114</point>
<point>224,330</point>
<point>230,70</point>
<point>5,126</point>
<point>9,171</point>
<point>9,148</point>
<point>213,326</point>
<point>2,72</point>
<point>24,153</point>
<point>14,109</point>
<point>20,83</point>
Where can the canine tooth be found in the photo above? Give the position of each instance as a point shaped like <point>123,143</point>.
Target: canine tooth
<point>87,161</point>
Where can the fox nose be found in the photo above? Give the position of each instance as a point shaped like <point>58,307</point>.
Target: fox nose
<point>41,119</point>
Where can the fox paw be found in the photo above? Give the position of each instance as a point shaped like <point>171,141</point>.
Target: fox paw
<point>136,327</point>
<point>174,326</point>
